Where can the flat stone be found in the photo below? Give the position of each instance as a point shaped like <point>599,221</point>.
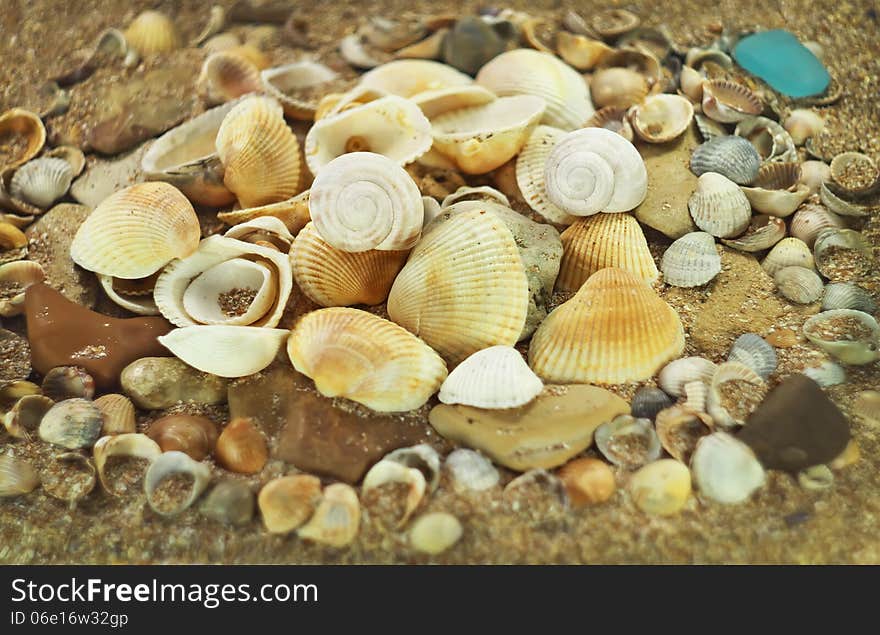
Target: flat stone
<point>155,383</point>
<point>545,433</point>
<point>780,59</point>
<point>106,176</point>
<point>62,333</point>
<point>15,357</point>
<point>797,426</point>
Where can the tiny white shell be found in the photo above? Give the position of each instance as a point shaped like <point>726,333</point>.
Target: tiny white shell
<point>495,377</point>
<point>676,374</point>
<point>719,207</point>
<point>470,470</point>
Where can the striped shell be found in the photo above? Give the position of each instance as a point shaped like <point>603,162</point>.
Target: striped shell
<point>152,32</point>
<point>777,189</point>
<point>846,295</point>
<point>799,284</point>
<point>691,261</point>
<point>495,377</point>
<point>612,118</point>
<point>811,219</point>
<point>530,180</point>
<point>677,374</point>
<point>755,352</point>
<point>715,403</point>
<point>226,76</point>
<point>770,139</point>
<point>788,252</point>
<point>728,102</point>
<point>648,401</point>
<point>764,231</point>
<point>119,414</point>
<point>17,477</point>
<point>733,157</point>
<point>72,423</point>
<point>41,182</point>
<point>719,207</point>
<point>826,374</point>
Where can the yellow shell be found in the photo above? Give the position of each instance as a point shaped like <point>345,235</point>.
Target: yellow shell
<point>152,32</point>
<point>464,287</point>
<point>604,240</point>
<point>354,354</point>
<point>293,212</point>
<point>259,152</point>
<point>16,125</point>
<point>614,330</point>
<point>137,231</point>
<point>332,277</point>
<point>226,76</point>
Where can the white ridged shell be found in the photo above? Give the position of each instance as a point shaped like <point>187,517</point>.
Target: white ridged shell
<point>41,182</point>
<point>788,252</point>
<point>799,284</point>
<point>755,352</point>
<point>676,374</point>
<point>725,469</point>
<point>495,377</point>
<point>719,207</point>
<point>530,166</point>
<point>691,261</point>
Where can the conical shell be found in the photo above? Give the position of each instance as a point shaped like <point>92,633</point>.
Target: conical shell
<point>337,518</point>
<point>764,231</point>
<point>662,118</point>
<point>579,51</point>
<point>691,261</point>
<point>226,76</point>
<point>15,278</point>
<point>295,85</point>
<point>152,32</point>
<point>631,333</point>
<point>733,157</point>
<point>136,231</point>
<point>846,295</point>
<point>354,354</point>
<point>227,351</point>
<point>119,415</point>
<point>17,477</point>
<point>677,374</point>
<point>618,87</point>
<point>464,287</point>
<point>496,377</point>
<point>600,241</point>
<point>719,207</point>
<point>529,72</point>
<point>530,166</point>
<point>41,182</point>
<point>406,78</point>
<point>788,252</point>
<point>23,133</point>
<point>729,102</point>
<point>260,154</point>
<point>754,351</point>
<point>293,212</point>
<point>799,284</point>
<point>612,118</point>
<point>725,469</point>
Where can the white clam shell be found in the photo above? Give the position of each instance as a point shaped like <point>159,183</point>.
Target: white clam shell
<point>691,261</point>
<point>168,464</point>
<point>840,206</point>
<point>530,166</point>
<point>226,351</point>
<point>406,78</point>
<point>662,118</point>
<point>719,207</point>
<point>725,469</point>
<point>799,284</point>
<point>141,305</point>
<point>826,374</point>
<point>130,444</point>
<point>846,295</point>
<point>42,181</point>
<point>676,374</point>
<point>200,300</point>
<point>470,470</point>
<point>788,252</point>
<point>495,377</point>
<point>385,472</point>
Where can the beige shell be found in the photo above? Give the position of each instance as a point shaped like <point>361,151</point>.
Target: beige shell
<point>226,76</point>
<point>337,518</point>
<point>614,119</point>
<point>811,219</point>
<point>677,374</point>
<point>662,118</point>
<point>478,291</point>
<point>715,404</point>
<point>530,166</point>
<point>788,252</point>
<point>495,377</point>
<point>480,193</point>
<point>169,464</point>
<point>294,86</point>
<point>862,164</point>
<point>618,87</point>
<point>386,472</point>
<point>42,181</point>
<point>152,32</point>
<point>286,503</point>
<point>691,84</point>
<point>293,212</point>
<point>680,428</point>
<point>611,23</point>
<point>604,240</point>
<point>764,231</point>
<point>260,154</point>
<point>770,139</point>
<point>443,100</point>
<point>719,207</point>
<point>691,261</point>
<point>799,284</point>
<point>636,59</point>
<point>429,48</point>
<point>136,231</point>
<point>814,174</point>
<point>26,415</point>
<point>661,488</point>
<point>579,51</point>
<point>728,102</point>
<point>20,128</point>
<point>15,278</point>
<point>263,231</point>
<point>226,351</point>
<point>777,189</point>
<point>725,469</point>
<point>70,154</point>
<point>406,78</point>
<point>132,445</point>
<point>119,414</point>
<point>802,124</point>
<point>435,532</point>
<point>354,354</point>
<point>840,206</point>
<point>17,477</point>
<point>632,332</point>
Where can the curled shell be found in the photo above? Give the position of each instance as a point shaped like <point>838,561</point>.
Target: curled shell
<point>677,374</point>
<point>788,252</point>
<point>227,351</point>
<point>612,118</point>
<point>846,295</point>
<point>628,442</point>
<point>662,118</point>
<point>22,135</point>
<point>226,76</point>
<point>119,414</point>
<point>719,207</point>
<point>435,532</point>
<point>764,231</point>
<point>680,429</point>
<point>725,469</point>
<point>732,157</point>
<point>387,472</point>
<point>152,32</point>
<point>854,174</point>
<point>17,477</point>
<point>587,481</point>
<point>770,139</point>
<point>241,447</point>
<point>728,102</point>
<point>337,518</point>
<point>495,377</point>
<point>69,477</point>
<point>826,374</point>
<point>168,465</point>
<point>838,205</point>
<point>842,255</point>
<point>15,278</point>
<point>68,382</point>
<point>294,84</point>
<point>799,284</point>
<point>42,181</point>
<point>732,409</point>
<point>530,165</point>
<point>618,87</point>
<point>293,212</point>
<point>581,52</point>
<point>811,219</point>
<point>853,337</point>
<point>661,488</point>
<point>648,401</point>
<point>26,415</point>
<point>754,351</point>
<point>802,124</point>
<point>72,424</point>
<point>614,22</point>
<point>134,302</point>
<point>286,503</point>
<point>193,435</point>
<point>422,457</point>
<point>691,261</point>
<point>470,470</point>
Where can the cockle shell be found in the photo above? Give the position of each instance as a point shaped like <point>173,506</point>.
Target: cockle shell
<point>732,157</point>
<point>594,170</point>
<point>826,374</point>
<point>406,78</point>
<point>293,212</point>
<point>708,128</point>
<point>226,76</point>
<point>618,87</point>
<point>68,382</point>
<point>495,377</point>
<point>17,477</point>
<point>648,401</point>
<point>579,51</point>
<point>286,503</point>
<point>632,332</point>
<point>719,207</point>
<point>662,118</point>
<point>478,294</point>
<point>15,278</point>
<point>363,200</point>
<point>294,84</point>
<point>136,231</point>
<point>337,518</point>
<point>754,351</point>
<point>41,182</point>
<point>839,206</point>
<point>725,469</point>
<point>691,261</point>
<point>20,127</point>
<point>227,351</point>
<point>764,231</point>
<point>170,464</point>
<point>770,139</point>
<point>471,471</point>
<point>848,347</point>
<point>119,414</point>
<point>799,284</point>
<point>131,445</point>
<point>530,72</point>
<point>354,354</point>
<point>802,124</point>
<point>628,442</point>
<point>788,252</point>
<point>846,295</point>
<point>715,404</point>
<point>260,154</point>
<point>72,423</point>
<point>810,219</point>
<point>677,374</point>
<point>777,189</point>
<point>612,118</point>
<point>152,32</point>
<point>530,165</point>
<point>729,102</point>
<point>604,240</point>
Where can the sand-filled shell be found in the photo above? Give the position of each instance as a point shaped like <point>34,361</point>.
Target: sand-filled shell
<point>838,205</point>
<point>732,157</point>
<point>799,284</point>
<point>22,135</point>
<point>496,377</point>
<point>70,477</point>
<point>471,471</point>
<point>802,124</point>
<point>15,278</point>
<point>677,374</point>
<point>68,382</point>
<point>226,76</point>
<point>778,190</point>
<point>581,52</point>
<point>618,87</point>
<point>119,414</point>
<point>193,435</point>
<point>169,465</point>
<point>680,428</point>
<point>26,415</point>
<point>612,118</point>
<point>72,424</point>
<point>628,442</point>
<point>728,102</point>
<point>390,472</point>
<point>152,32</point>
<point>854,174</point>
<point>734,393</point>
<point>337,518</point>
<point>600,241</point>
<point>764,231</point>
<point>241,447</point>
<point>363,200</point>
<point>391,126</point>
<point>595,170</point>
<point>295,85</point>
<point>691,261</point>
<point>754,351</point>
<point>530,72</point>
<point>843,255</point>
<point>260,154</point>
<point>464,287</point>
<point>853,337</point>
<point>137,231</point>
<point>632,332</point>
<point>17,477</point>
<point>661,488</point>
<point>227,351</point>
<point>719,207</point>
<point>354,354</point>
<point>530,165</point>
<point>126,445</point>
<point>286,503</point>
<point>662,118</point>
<point>770,139</point>
<point>846,295</point>
<point>811,219</point>
<point>42,181</point>
<point>788,252</point>
<point>725,469</point>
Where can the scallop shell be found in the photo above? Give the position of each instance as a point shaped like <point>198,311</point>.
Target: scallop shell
<point>530,166</point>
<point>680,429</point>
<point>226,76</point>
<point>826,374</point>
<point>661,488</point>
<point>170,464</point>
<point>770,139</point>
<point>846,295</point>
<point>386,472</point>
<point>119,414</point>
<point>628,442</point>
<point>662,118</point>
<point>755,352</point>
<point>727,372</point>
<point>719,207</point>
<point>294,84</point>
<point>725,469</point>
<point>612,118</point>
<point>286,503</point>
<point>478,295</point>
<point>764,232</point>
<point>675,375</point>
<point>131,445</point>
<point>728,102</point>
<point>17,477</point>
<point>227,351</point>
<point>137,231</point>
<point>632,332</point>
<point>337,518</point>
<point>594,170</point>
<point>16,277</point>
<point>495,377</point>
<point>72,424</point>
<point>41,182</point>
<point>354,354</point>
<point>141,305</point>
<point>581,52</point>
<point>471,471</point>
<point>406,78</point>
<point>604,240</point>
<point>20,127</point>
<point>435,532</point>
<point>863,350</point>
<point>788,252</point>
<point>293,212</point>
<point>802,124</point>
<point>732,157</point>
<point>691,261</point>
<point>648,401</point>
<point>152,32</point>
<point>530,72</point>
<point>811,219</point>
<point>840,206</point>
<point>799,284</point>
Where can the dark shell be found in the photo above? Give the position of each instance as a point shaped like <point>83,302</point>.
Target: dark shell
<point>648,401</point>
<point>733,157</point>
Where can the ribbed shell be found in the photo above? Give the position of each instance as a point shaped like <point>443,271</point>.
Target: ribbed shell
<point>612,118</point>
<point>72,423</point>
<point>788,252</point>
<point>17,477</point>
<point>811,219</point>
<point>615,329</point>
<point>600,241</point>
<point>846,295</point>
<point>677,374</point>
<point>770,139</point>
<point>662,118</point>
<point>728,101</point>
<point>464,287</point>
<point>226,76</point>
<point>152,32</point>
<point>495,377</point>
<point>799,284</point>
<point>764,232</point>
<point>754,351</point>
<point>719,207</point>
<point>292,85</point>
<point>648,401</point>
<point>354,354</point>
<point>332,277</point>
<point>618,87</point>
<point>119,414</point>
<point>826,374</point>
<point>733,157</point>
<point>691,261</point>
<point>226,351</point>
<point>530,166</point>
<point>41,182</point>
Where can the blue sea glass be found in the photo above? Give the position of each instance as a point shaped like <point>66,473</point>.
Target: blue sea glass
<point>782,61</point>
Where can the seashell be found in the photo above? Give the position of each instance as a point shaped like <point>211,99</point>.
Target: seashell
<point>119,415</point>
<point>826,374</point>
<point>809,220</point>
<point>719,207</point>
<point>579,51</point>
<point>593,170</point>
<point>732,410</point>
<point>691,261</point>
<point>587,481</point>
<point>479,293</point>
<point>168,465</point>
<point>732,157</point>
<point>690,82</point>
<point>754,351</point>
<point>639,60</point>
<point>867,406</point>
<point>709,129</point>
<point>26,415</point>
<point>538,33</point>
<point>229,502</point>
<point>422,457</point>
<point>495,377</point>
<point>11,392</point>
<point>648,401</point>
<point>11,237</point>
<point>70,477</point>
<point>842,254</point>
<point>42,181</point>
<point>854,174</point>
<point>816,478</point>
<point>481,193</point>
<point>534,482</point>
<point>777,202</point>
<point>680,428</point>
<point>293,212</point>
<point>151,33</point>
<point>337,518</point>
<point>611,302</point>
<point>387,472</point>
<point>15,278</point>
<point>604,240</point>
<point>618,87</point>
<point>430,48</point>
<point>470,470</point>
<point>847,335</point>
<point>22,135</point>
<point>802,124</point>
<point>17,477</point>
<point>725,469</point>
<point>434,103</point>
<point>221,42</point>
<point>136,303</point>
<point>481,138</point>
<point>260,154</point>
<point>72,424</point>
<point>814,174</point>
<point>435,532</point>
<point>193,435</point>
<point>662,118</point>
<point>764,231</point>
<point>661,488</point>
<point>286,503</point>
<point>226,76</point>
<point>838,205</point>
<point>263,229</point>
<point>227,351</point>
<point>696,394</point>
<point>628,442</point>
<point>572,21</point>
<point>788,252</point>
<point>354,354</point>
<point>846,295</point>
<point>295,86</point>
<point>728,102</point>
<point>241,447</point>
<point>137,231</point>
<point>778,176</point>
<point>530,72</point>
<point>215,23</point>
<point>530,166</point>
<point>850,456</point>
<point>391,126</point>
<point>473,41</point>
<point>612,23</point>
<point>406,78</point>
<point>68,382</point>
<point>799,284</point>
<point>612,118</point>
<point>675,375</point>
<point>355,51</point>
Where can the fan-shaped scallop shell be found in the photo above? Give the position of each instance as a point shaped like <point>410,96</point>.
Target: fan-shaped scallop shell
<point>811,219</point>
<point>612,118</point>
<point>719,207</point>
<point>662,118</point>
<point>770,139</point>
<point>152,32</point>
<point>615,329</point>
<point>226,76</point>
<point>226,351</point>
<point>41,182</point>
<point>691,261</point>
<point>764,231</point>
<point>754,351</point>
<point>728,102</point>
<point>677,374</point>
<point>293,84</point>
<point>618,87</point>
<point>799,284</point>
<point>732,157</point>
<point>495,377</point>
<point>846,295</point>
<point>788,252</point>
<point>530,166</point>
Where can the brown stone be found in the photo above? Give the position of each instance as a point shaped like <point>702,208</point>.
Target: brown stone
<point>62,333</point>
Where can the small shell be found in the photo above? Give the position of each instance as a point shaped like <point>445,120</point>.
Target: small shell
<point>130,445</point>
<point>675,375</point>
<point>865,183</point>
<point>691,84</point>
<point>11,392</point>
<point>421,457</point>
<point>193,435</point>
<point>229,502</point>
<point>241,447</point>
<point>612,23</point>
<point>843,255</point>
<point>354,50</point>
<point>728,102</point>
<point>755,352</point>
<point>802,124</point>
<point>799,284</point>
<point>11,237</point>
<point>226,76</point>
<point>140,304</point>
<point>406,78</point>
<point>68,382</point>
<point>171,464</point>
<point>814,174</point>
<point>435,532</point>
<point>41,182</point>
<point>764,231</point>
<point>811,219</point>
<point>385,472</point>
<point>691,261</point>
<point>15,278</point>
<point>839,206</point>
<point>23,133</point>
<point>17,477</point>
<point>778,176</point>
<point>618,87</point>
<point>853,337</point>
<point>788,252</point>
<point>826,374</point>
<point>846,295</point>
<point>263,229</point>
<point>816,478</point>
<point>294,213</point>
<point>337,518</point>
<point>661,488</point>
<point>732,157</point>
<point>579,51</point>
<point>473,41</point>
<point>227,351</point>
<point>530,166</point>
<point>70,477</point>
<point>612,118</point>
<point>495,377</point>
<point>152,32</point>
<point>709,129</point>
<point>587,481</point>
<point>662,118</point>
<point>435,103</point>
<point>850,456</point>
<point>733,411</point>
<point>472,471</point>
<point>72,424</point>
<point>777,202</point>
<point>867,406</point>
<point>648,401</point>
<point>719,207</point>
<point>294,85</point>
<point>286,503</point>
<point>680,428</point>
<point>481,193</point>
<point>628,442</point>
<point>26,415</point>
<point>725,469</point>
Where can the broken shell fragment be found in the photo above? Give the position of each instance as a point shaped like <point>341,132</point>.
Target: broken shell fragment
<point>129,295</point>
<point>261,230</point>
<point>816,478</point>
<point>853,337</point>
<point>387,472</point>
<point>286,503</point>
<point>72,424</point>
<point>69,477</point>
<point>680,428</point>
<point>628,442</point>
<point>770,139</point>
<point>470,470</point>
<point>799,284</point>
<point>26,415</point>
<point>691,261</point>
<point>481,193</point>
<point>126,445</point>
<point>764,231</point>
<point>826,374</point>
<point>17,477</point>
<point>579,51</point>
<point>661,488</point>
<point>337,518</point>
<point>725,469</point>
<point>293,212</point>
<point>495,377</point>
<point>838,205</point>
<point>434,533</point>
<point>169,465</point>
<point>612,118</point>
<point>728,102</point>
<point>227,351</point>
